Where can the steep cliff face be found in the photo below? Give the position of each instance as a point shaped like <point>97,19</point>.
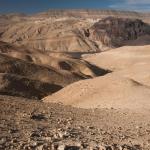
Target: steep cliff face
<point>113,32</point>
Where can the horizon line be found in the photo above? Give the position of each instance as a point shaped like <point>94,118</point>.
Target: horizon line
<point>75,9</point>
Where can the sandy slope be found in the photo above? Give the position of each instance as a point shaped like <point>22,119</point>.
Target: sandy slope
<point>128,61</point>
<point>126,87</point>
<point>108,91</point>
<point>121,58</point>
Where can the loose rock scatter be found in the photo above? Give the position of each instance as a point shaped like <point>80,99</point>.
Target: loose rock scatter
<point>27,125</point>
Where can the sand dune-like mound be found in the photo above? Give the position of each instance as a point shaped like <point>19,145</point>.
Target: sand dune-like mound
<point>104,92</point>
<point>120,58</point>
<point>128,61</point>
<point>128,86</point>
<point>15,85</point>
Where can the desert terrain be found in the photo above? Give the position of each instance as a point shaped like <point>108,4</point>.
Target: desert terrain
<point>75,80</point>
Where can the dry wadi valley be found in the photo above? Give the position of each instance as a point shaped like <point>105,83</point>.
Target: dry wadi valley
<point>75,80</point>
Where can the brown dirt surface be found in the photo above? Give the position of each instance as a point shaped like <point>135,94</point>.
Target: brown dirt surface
<point>35,125</point>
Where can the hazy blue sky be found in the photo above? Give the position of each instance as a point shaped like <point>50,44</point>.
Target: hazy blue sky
<point>32,6</point>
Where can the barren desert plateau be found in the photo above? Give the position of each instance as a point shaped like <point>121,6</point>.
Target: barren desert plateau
<point>75,79</point>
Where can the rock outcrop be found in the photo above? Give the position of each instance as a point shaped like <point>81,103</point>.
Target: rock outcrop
<point>113,32</point>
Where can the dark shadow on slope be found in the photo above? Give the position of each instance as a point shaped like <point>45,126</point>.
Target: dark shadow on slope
<point>14,85</point>
<point>97,70</point>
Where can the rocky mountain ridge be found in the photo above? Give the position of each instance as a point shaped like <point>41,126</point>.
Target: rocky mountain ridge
<point>90,13</point>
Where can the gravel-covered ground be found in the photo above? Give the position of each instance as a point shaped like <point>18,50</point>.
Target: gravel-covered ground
<point>28,124</point>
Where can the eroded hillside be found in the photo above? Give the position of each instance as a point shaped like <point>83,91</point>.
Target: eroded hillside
<point>60,30</point>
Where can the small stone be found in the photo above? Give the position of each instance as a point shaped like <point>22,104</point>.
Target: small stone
<point>34,134</point>
<point>61,147</point>
<point>55,136</point>
<point>2,141</point>
<point>90,127</point>
<point>14,141</point>
<point>63,134</point>
<point>72,148</point>
<point>39,147</point>
<point>102,148</point>
<point>38,117</point>
<point>54,146</point>
<point>33,144</point>
<point>47,139</point>
<point>103,132</point>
